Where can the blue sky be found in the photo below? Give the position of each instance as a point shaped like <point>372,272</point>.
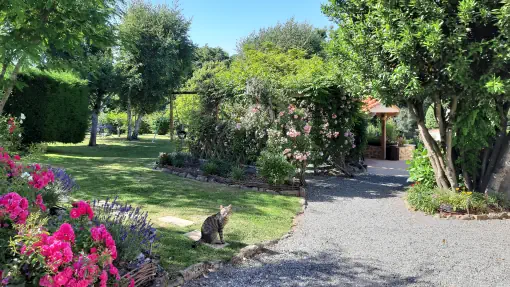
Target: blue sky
<point>223,22</point>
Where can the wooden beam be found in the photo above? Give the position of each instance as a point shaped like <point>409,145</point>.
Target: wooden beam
<point>184,93</point>
<point>383,136</point>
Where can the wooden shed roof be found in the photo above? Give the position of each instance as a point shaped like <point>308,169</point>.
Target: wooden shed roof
<point>374,106</point>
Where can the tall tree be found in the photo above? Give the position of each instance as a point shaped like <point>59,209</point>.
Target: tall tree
<point>30,28</point>
<point>454,54</point>
<point>286,36</point>
<point>155,46</point>
<point>206,54</point>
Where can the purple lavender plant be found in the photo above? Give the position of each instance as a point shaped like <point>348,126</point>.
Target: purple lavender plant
<point>130,228</point>
<point>67,183</point>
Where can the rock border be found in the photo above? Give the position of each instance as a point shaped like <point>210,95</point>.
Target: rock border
<point>299,192</point>
<point>203,268</point>
<point>487,216</point>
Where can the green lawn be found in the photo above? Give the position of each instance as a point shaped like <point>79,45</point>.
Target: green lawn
<point>122,168</point>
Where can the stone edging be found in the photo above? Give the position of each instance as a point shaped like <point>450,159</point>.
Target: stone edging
<point>200,269</point>
<point>301,192</point>
<point>499,215</point>
<point>442,215</point>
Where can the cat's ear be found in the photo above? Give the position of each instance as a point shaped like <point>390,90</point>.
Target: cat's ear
<point>229,206</point>
<point>221,206</point>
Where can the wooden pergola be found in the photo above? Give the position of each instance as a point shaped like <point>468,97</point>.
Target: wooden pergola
<point>376,108</point>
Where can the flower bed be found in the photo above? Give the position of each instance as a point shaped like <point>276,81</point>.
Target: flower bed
<point>45,245</point>
<point>459,204</point>
<point>250,182</point>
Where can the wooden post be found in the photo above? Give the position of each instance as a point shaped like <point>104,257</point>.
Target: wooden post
<point>171,117</point>
<point>383,136</point>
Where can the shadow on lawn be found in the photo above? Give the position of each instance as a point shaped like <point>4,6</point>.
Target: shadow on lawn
<point>361,186</point>
<point>324,269</point>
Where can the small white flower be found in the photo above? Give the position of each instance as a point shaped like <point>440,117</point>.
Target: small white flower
<point>21,121</point>
<point>30,178</point>
<point>19,135</point>
<point>22,116</point>
<point>25,175</point>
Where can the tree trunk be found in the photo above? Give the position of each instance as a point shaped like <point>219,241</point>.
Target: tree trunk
<point>172,117</point>
<point>4,69</point>
<point>497,151</point>
<point>93,129</point>
<point>129,116</point>
<point>138,121</point>
<point>433,149</point>
<point>10,85</point>
<point>499,180</point>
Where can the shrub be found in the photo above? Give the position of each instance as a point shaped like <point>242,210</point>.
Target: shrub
<point>431,200</point>
<point>177,159</point>
<point>420,169</point>
<point>420,197</point>
<point>237,173</point>
<point>130,228</point>
<point>224,167</point>
<point>11,133</point>
<point>55,105</point>
<point>430,119</point>
<point>274,167</point>
<point>210,168</point>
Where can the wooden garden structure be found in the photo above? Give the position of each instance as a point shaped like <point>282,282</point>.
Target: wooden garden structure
<point>376,108</point>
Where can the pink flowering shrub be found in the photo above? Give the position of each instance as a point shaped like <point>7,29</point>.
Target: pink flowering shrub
<point>11,132</point>
<point>77,253</point>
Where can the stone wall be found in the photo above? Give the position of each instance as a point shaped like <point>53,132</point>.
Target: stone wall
<point>374,152</point>
<point>405,152</point>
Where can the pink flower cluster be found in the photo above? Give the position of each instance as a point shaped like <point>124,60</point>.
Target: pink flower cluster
<point>40,179</point>
<point>301,156</point>
<point>81,208</point>
<point>291,109</point>
<point>39,202</point>
<point>307,128</point>
<point>293,133</point>
<point>101,235</point>
<point>77,270</point>
<point>15,206</point>
<point>10,166</point>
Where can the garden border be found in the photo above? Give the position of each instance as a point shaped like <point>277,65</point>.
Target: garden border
<point>202,268</point>
<point>445,215</point>
<point>298,191</point>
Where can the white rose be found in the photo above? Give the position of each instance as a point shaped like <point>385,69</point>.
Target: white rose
<point>22,116</point>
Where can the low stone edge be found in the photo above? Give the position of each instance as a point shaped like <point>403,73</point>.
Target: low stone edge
<point>202,268</point>
<point>488,216</point>
<point>301,192</point>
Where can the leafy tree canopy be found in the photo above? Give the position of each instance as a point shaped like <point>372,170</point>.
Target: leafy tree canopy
<point>287,36</point>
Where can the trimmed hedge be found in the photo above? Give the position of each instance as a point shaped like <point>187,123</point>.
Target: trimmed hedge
<point>55,104</point>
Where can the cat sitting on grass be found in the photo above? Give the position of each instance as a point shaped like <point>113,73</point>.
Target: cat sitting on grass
<point>213,226</point>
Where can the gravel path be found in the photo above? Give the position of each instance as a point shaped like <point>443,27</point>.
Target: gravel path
<point>357,232</point>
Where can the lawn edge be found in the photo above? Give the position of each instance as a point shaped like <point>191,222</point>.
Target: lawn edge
<point>202,268</point>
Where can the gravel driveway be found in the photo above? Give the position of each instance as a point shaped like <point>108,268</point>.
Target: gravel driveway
<point>357,232</point>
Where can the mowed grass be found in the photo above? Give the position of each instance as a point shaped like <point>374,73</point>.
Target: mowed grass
<point>117,167</point>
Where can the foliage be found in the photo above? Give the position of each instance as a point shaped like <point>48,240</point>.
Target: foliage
<point>450,54</point>
<point>185,108</point>
<point>130,228</point>
<point>177,159</point>
<point>210,168</point>
<point>420,169</point>
<point>55,105</point>
<point>431,200</point>
<point>374,132</point>
<point>156,53</point>
<point>287,36</point>
<point>274,167</point>
<point>114,120</point>
<point>28,31</point>
<point>159,122</point>
<point>237,173</point>
<point>405,124</point>
<point>206,54</point>
<point>430,119</point>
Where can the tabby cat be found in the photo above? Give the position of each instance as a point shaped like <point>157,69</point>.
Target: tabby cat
<point>214,225</point>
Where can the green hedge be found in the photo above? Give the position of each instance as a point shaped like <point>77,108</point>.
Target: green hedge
<point>55,104</point>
